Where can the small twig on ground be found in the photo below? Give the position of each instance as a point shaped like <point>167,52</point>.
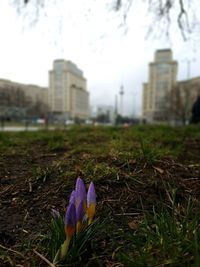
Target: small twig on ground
<point>30,187</point>
<point>12,250</point>
<point>128,214</point>
<point>43,258</point>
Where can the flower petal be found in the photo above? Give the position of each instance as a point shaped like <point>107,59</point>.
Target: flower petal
<point>80,212</point>
<point>72,198</point>
<point>70,220</point>
<point>91,195</point>
<point>91,202</point>
<point>80,191</point>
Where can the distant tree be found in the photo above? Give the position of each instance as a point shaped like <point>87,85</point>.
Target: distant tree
<point>19,98</point>
<point>12,102</point>
<point>179,101</point>
<point>164,13</point>
<point>183,13</point>
<point>196,111</point>
<point>125,119</point>
<point>103,118</point>
<point>37,109</point>
<point>12,96</point>
<point>16,105</point>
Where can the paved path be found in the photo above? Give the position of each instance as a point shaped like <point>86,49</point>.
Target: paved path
<point>22,128</point>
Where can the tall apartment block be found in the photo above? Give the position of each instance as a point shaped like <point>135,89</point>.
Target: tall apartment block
<point>68,95</point>
<point>162,78</point>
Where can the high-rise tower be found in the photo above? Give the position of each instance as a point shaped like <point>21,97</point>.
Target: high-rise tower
<point>68,96</point>
<point>162,78</point>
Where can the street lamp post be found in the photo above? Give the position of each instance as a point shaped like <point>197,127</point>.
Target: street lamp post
<point>187,91</point>
<point>116,109</point>
<point>188,62</point>
<point>121,92</point>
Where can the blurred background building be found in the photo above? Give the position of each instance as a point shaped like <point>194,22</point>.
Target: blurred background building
<point>65,98</point>
<point>68,95</point>
<point>162,77</point>
<point>164,98</point>
<point>19,101</point>
<point>183,96</point>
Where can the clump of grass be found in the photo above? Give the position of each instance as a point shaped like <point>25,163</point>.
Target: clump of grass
<point>150,152</point>
<point>168,236</point>
<point>100,170</point>
<point>7,141</point>
<point>56,142</point>
<point>191,131</point>
<point>55,236</point>
<point>155,150</point>
<point>41,174</point>
<point>80,246</point>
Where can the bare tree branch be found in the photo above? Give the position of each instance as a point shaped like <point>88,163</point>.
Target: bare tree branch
<point>163,13</point>
<point>180,16</point>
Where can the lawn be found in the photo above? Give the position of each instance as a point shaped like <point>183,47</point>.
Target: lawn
<point>147,185</point>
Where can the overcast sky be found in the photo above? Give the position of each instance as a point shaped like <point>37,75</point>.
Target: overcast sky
<point>86,33</point>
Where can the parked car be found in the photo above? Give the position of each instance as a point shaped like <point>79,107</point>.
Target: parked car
<point>69,122</point>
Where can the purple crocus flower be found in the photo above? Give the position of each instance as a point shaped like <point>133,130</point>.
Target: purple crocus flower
<point>80,212</point>
<point>70,220</point>
<point>91,202</point>
<point>72,198</point>
<point>80,191</point>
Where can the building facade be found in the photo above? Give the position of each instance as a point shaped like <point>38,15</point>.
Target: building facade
<point>19,100</point>
<point>33,92</point>
<point>162,78</point>
<point>186,93</point>
<point>68,96</point>
<point>165,98</point>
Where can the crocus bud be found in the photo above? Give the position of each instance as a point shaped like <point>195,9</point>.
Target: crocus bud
<point>91,202</point>
<point>80,192</point>
<point>70,220</point>
<point>79,216</point>
<point>72,198</point>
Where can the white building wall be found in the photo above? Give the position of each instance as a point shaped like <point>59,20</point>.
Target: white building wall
<point>72,88</point>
